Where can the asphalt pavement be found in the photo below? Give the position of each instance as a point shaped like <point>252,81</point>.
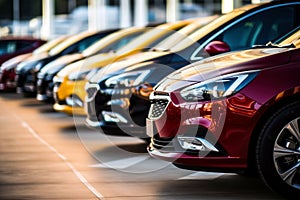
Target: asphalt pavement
<point>51,155</point>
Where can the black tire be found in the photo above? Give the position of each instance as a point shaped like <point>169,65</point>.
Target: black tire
<point>278,151</point>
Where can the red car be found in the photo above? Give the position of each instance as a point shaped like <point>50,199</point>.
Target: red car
<point>237,112</point>
<point>11,47</point>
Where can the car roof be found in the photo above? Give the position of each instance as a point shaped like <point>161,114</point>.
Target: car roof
<point>19,38</point>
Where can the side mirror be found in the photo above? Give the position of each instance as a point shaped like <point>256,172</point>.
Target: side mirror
<point>217,47</point>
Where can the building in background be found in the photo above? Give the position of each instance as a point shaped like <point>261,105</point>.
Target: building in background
<point>27,17</point>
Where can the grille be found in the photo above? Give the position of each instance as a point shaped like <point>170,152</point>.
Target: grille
<point>157,108</point>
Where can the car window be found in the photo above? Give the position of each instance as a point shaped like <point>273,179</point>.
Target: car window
<point>49,45</point>
<point>202,32</point>
<point>289,38</point>
<point>167,43</point>
<point>7,47</point>
<point>156,42</point>
<point>258,29</point>
<point>21,45</point>
<point>119,43</point>
<point>81,45</point>
<point>69,42</point>
<point>150,37</point>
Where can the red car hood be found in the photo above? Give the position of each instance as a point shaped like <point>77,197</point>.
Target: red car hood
<point>212,67</point>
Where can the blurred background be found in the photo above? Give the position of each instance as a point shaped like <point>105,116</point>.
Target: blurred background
<point>48,19</point>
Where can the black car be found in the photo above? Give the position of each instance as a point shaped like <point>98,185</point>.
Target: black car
<point>45,84</point>
<point>26,72</point>
<point>118,95</point>
<point>45,76</point>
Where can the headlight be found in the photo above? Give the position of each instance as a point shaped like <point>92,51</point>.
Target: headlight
<point>219,87</point>
<point>38,66</point>
<point>25,66</point>
<point>49,71</point>
<point>128,79</point>
<point>58,79</point>
<point>41,75</point>
<point>78,75</point>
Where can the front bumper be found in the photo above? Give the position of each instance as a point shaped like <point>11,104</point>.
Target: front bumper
<point>203,135</point>
<point>68,97</point>
<point>7,79</point>
<point>116,112</point>
<point>207,163</point>
<point>26,82</point>
<point>117,130</point>
<point>207,154</point>
<point>69,109</point>
<point>44,89</point>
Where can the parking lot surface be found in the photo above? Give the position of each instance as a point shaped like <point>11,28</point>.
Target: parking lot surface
<point>50,155</point>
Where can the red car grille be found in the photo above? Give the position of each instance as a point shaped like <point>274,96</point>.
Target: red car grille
<point>157,108</point>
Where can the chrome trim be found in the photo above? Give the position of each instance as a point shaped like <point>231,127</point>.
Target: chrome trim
<point>92,123</point>
<point>190,143</point>
<point>41,97</point>
<point>19,90</point>
<point>113,117</point>
<point>153,96</point>
<point>155,152</point>
<point>74,101</point>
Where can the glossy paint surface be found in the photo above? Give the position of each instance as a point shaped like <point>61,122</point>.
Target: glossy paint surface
<point>228,123</point>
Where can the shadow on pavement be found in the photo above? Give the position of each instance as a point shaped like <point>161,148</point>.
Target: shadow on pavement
<point>224,187</point>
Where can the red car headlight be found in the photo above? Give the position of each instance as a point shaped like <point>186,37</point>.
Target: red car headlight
<point>218,87</point>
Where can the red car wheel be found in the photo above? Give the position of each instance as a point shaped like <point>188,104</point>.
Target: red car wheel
<point>278,151</point>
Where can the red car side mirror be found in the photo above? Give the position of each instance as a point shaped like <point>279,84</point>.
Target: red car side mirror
<point>217,47</point>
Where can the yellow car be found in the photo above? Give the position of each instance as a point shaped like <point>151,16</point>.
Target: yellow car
<point>69,82</point>
<point>107,44</point>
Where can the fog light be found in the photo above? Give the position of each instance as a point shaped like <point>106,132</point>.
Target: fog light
<point>195,143</point>
<point>19,90</point>
<point>113,117</point>
<point>41,97</point>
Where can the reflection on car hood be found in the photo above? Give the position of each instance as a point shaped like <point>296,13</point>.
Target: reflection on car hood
<point>87,63</point>
<point>12,63</point>
<point>35,57</point>
<point>60,62</point>
<point>32,59</point>
<point>232,62</point>
<point>125,64</point>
